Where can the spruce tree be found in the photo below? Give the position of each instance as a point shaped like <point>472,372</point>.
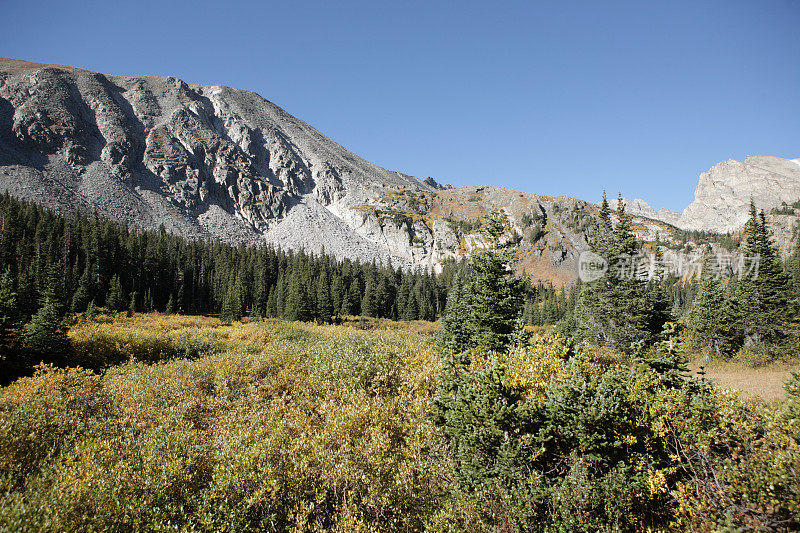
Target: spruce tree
<point>337,293</point>
<point>9,311</point>
<point>324,301</point>
<point>368,304</point>
<point>712,319</point>
<point>232,309</point>
<point>351,302</point>
<point>83,294</point>
<point>618,309</point>
<point>115,300</point>
<point>132,305</point>
<point>414,303</point>
<point>457,328</point>
<point>46,334</point>
<point>488,311</point>
<point>764,294</point>
<point>298,301</point>
<point>170,308</point>
<point>272,303</point>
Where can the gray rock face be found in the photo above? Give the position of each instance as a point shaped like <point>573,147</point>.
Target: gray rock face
<point>639,207</point>
<point>205,161</point>
<point>722,197</point>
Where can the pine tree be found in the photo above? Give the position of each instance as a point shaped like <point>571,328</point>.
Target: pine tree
<point>766,307</point>
<point>9,311</point>
<point>617,309</point>
<point>324,301</point>
<point>115,300</point>
<point>488,312</point>
<point>170,308</point>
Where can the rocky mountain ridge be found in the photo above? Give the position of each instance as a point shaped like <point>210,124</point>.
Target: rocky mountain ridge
<point>723,194</point>
<point>217,162</point>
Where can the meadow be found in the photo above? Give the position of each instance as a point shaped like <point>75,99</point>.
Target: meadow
<point>223,427</point>
<point>186,423</point>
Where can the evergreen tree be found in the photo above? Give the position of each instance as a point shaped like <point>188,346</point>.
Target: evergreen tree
<point>148,302</point>
<point>764,290</point>
<point>488,311</point>
<point>298,302</point>
<point>232,308</point>
<point>369,305</point>
<point>412,308</point>
<point>83,294</point>
<point>280,296</point>
<point>104,261</point>
<point>617,309</point>
<point>712,319</point>
<point>8,306</point>
<point>115,300</point>
<point>46,334</point>
<point>324,301</point>
<point>272,303</point>
<point>495,294</point>
<point>458,329</point>
<point>351,302</point>
<point>337,293</point>
<point>170,307</point>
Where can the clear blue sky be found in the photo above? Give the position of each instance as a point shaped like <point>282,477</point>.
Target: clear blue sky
<point>554,97</point>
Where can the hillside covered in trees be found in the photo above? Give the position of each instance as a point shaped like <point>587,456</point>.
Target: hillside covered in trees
<point>53,266</point>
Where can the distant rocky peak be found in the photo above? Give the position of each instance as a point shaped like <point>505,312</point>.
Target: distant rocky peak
<point>723,194</point>
<point>436,185</point>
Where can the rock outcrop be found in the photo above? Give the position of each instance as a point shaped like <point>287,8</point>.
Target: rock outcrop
<point>639,207</point>
<point>722,197</point>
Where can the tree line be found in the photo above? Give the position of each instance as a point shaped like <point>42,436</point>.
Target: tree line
<point>52,266</point>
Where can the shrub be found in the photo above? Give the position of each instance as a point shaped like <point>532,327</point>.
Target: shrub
<point>326,432</point>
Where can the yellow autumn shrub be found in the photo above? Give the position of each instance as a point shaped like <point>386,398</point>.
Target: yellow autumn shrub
<point>282,426</point>
<point>533,367</point>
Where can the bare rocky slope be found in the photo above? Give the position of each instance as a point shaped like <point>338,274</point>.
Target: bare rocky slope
<point>212,161</point>
<point>722,198</point>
